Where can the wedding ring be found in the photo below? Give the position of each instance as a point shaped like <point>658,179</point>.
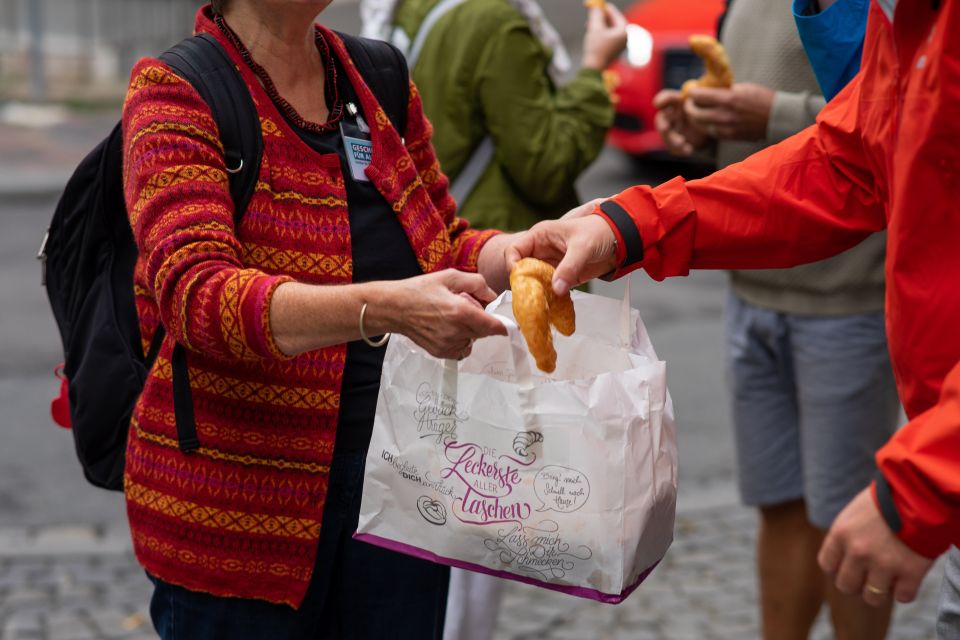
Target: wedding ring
<point>877,591</point>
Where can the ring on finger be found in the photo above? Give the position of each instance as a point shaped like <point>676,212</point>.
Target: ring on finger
<point>877,591</point>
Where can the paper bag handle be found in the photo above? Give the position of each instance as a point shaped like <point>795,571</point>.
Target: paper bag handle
<point>518,353</point>
<point>626,320</point>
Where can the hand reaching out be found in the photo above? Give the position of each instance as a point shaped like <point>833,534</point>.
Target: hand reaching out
<point>581,248</point>
<point>443,312</point>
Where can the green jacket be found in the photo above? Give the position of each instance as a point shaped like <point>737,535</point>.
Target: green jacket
<point>482,71</point>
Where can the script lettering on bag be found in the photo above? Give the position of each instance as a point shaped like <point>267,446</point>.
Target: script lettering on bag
<point>561,489</point>
<point>488,479</point>
<point>437,414</point>
<point>409,471</point>
<point>538,550</point>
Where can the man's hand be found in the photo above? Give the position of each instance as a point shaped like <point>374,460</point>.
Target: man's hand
<point>581,248</point>
<point>583,210</point>
<point>738,113</point>
<point>671,123</point>
<point>866,558</point>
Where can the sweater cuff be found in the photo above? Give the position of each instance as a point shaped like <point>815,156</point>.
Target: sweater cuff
<point>258,326</point>
<point>789,114</point>
<point>883,496</point>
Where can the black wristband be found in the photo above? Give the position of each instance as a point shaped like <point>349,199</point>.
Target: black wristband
<point>887,508</point>
<point>632,242</point>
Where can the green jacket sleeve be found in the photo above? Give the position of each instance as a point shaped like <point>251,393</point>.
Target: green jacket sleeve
<point>545,137</point>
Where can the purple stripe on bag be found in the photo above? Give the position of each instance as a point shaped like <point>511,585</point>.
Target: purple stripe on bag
<point>580,592</point>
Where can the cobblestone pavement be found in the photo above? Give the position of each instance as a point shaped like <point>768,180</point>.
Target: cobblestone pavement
<point>79,583</point>
<point>703,590</point>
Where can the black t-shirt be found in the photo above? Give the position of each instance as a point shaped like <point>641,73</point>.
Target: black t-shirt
<point>381,251</point>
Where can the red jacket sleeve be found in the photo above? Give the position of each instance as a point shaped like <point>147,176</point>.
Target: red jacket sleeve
<point>179,205</point>
<point>805,199</point>
<point>466,242</point>
<point>920,468</point>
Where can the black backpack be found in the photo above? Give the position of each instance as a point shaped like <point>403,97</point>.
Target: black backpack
<point>89,253</point>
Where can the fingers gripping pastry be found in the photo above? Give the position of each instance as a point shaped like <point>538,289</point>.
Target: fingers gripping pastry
<point>718,72</point>
<point>536,307</point>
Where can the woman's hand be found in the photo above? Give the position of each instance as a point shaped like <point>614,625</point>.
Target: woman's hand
<point>441,312</point>
<point>680,137</point>
<point>738,113</point>
<point>606,37</point>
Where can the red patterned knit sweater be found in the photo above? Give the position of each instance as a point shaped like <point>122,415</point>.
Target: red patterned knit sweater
<point>242,516</point>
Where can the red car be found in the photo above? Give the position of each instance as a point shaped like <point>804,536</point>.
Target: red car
<point>658,56</point>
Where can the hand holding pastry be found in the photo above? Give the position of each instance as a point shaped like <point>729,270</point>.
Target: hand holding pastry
<point>606,36</point>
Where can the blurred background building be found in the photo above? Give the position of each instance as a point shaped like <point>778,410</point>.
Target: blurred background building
<point>81,51</point>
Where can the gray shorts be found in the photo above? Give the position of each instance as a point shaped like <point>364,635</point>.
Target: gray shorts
<point>813,399</point>
<point>948,615</point>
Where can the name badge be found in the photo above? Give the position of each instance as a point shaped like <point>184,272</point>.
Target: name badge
<point>359,154</point>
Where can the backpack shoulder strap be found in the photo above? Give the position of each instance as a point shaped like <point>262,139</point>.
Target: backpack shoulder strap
<point>201,61</point>
<point>441,9</point>
<point>483,155</point>
<point>385,71</point>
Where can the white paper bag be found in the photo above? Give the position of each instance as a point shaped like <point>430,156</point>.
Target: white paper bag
<point>567,481</point>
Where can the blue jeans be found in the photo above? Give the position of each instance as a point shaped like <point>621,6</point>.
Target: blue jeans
<point>358,591</point>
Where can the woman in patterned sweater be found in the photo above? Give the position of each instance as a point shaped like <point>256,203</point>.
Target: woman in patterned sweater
<point>250,535</point>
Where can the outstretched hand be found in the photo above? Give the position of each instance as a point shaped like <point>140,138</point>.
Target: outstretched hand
<point>443,312</point>
<point>581,248</point>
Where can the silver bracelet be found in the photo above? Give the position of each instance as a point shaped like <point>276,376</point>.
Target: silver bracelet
<point>363,334</point>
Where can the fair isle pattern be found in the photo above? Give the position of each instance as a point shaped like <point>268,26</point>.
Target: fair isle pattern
<point>228,519</point>
<point>241,516</point>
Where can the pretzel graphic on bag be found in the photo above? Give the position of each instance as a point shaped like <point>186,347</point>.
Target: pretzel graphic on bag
<point>536,307</point>
<point>718,73</point>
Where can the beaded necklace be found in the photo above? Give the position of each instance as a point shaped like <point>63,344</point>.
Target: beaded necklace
<point>330,86</point>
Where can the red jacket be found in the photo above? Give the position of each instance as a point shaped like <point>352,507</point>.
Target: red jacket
<point>884,154</point>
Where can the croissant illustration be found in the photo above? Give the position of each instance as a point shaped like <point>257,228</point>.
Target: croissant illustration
<point>536,307</point>
<point>525,440</point>
<point>718,72</point>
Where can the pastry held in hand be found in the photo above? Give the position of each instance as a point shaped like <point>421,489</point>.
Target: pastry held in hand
<point>536,307</point>
<point>718,73</point>
<point>595,4</point>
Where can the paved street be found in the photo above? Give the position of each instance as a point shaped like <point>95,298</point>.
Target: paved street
<point>65,568</point>
<point>66,572</point>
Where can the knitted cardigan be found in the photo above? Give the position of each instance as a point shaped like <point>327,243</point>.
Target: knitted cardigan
<point>242,515</point>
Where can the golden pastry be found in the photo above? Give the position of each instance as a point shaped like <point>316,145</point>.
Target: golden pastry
<point>611,82</point>
<point>595,4</point>
<point>718,72</point>
<point>536,307</point>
